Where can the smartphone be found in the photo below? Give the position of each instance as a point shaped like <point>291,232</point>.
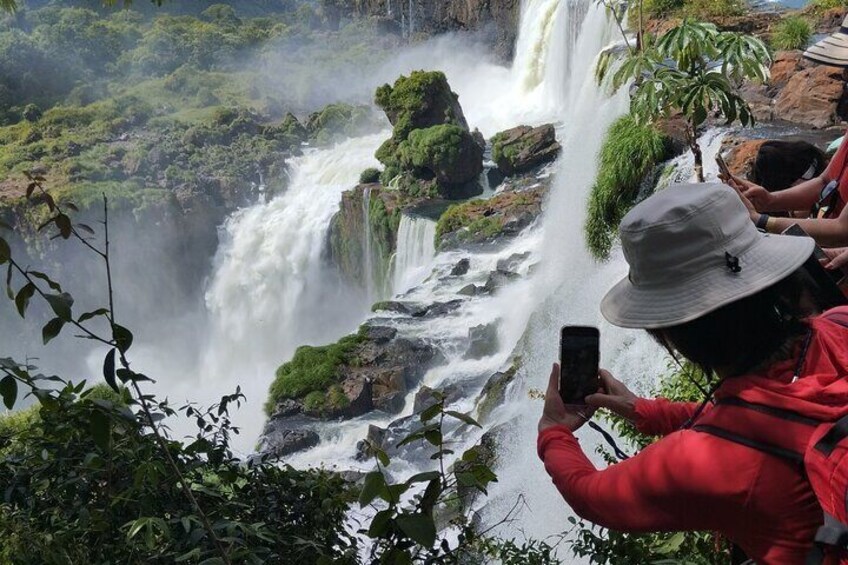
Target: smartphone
<point>828,283</point>
<point>722,166</point>
<point>579,358</point>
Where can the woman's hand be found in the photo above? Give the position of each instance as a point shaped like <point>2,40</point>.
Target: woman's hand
<point>615,397</point>
<point>837,258</point>
<point>556,413</point>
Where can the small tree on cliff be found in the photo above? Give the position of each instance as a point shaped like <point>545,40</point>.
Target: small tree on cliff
<point>693,70</point>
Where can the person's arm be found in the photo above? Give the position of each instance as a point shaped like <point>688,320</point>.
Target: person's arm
<point>831,232</point>
<point>800,197</point>
<point>651,491</point>
<point>661,417</point>
<point>652,417</point>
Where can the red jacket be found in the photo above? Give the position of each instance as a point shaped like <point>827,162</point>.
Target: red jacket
<point>695,481</point>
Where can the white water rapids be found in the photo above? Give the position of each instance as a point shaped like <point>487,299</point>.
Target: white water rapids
<point>272,292</point>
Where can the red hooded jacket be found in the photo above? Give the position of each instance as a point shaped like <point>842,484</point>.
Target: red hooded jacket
<point>691,480</point>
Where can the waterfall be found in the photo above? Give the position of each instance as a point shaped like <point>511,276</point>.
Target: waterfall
<point>367,248</point>
<point>415,251</point>
<point>411,19</point>
<point>271,291</point>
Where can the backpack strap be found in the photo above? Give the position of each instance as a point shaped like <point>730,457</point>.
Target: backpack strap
<point>733,419</point>
<point>832,533</point>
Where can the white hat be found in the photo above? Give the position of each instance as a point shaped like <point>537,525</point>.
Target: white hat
<point>833,49</point>
<point>692,249</point>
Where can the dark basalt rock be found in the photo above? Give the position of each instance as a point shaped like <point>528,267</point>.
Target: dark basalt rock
<point>280,439</point>
<point>470,290</point>
<point>484,341</point>
<point>523,148</point>
<point>512,262</point>
<point>380,334</point>
<point>461,268</point>
<point>498,279</point>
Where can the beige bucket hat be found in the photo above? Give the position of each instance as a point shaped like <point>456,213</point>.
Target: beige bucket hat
<point>832,50</point>
<point>692,249</point>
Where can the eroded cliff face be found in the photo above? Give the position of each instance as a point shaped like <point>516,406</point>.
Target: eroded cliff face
<point>497,20</point>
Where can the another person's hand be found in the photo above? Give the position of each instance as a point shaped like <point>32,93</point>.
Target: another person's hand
<point>752,210</point>
<point>556,413</point>
<point>615,396</point>
<point>837,258</point>
<point>758,196</point>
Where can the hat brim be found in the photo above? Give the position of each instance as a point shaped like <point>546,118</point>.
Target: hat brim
<point>770,260</point>
<point>832,50</point>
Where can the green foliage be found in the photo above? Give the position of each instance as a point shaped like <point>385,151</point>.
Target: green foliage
<point>369,176</point>
<point>676,74</point>
<point>31,113</point>
<point>702,9</point>
<point>819,7</point>
<point>311,369</point>
<point>630,151</point>
<point>793,32</point>
<point>432,149</point>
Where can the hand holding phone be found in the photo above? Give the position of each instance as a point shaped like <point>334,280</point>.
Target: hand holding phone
<point>579,360</point>
<point>722,166</point>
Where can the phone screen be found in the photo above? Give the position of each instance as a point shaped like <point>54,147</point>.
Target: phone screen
<point>579,359</point>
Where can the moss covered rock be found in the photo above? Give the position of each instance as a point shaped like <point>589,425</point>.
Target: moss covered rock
<point>421,100</point>
<point>446,152</point>
<point>431,152</point>
<point>487,221</point>
<point>338,120</point>
<point>523,148</point>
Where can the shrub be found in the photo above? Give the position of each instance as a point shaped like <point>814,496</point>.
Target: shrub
<point>311,369</point>
<point>435,148</point>
<point>818,7</point>
<point>792,32</point>
<point>704,9</point>
<point>31,113</point>
<point>369,176</point>
<point>629,152</point>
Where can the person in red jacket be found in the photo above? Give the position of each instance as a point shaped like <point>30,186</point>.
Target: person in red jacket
<point>711,288</point>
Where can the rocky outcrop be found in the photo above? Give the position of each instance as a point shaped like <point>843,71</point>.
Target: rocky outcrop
<point>479,222</point>
<point>419,101</point>
<point>523,148</point>
<point>431,152</point>
<point>494,392</point>
<point>496,20</point>
<point>800,92</point>
<point>346,237</point>
<point>279,439</point>
<point>373,370</point>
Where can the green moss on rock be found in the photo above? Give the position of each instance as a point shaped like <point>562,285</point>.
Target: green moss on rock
<point>369,176</point>
<point>420,100</point>
<point>478,221</point>
<point>631,150</point>
<point>446,152</point>
<point>311,370</point>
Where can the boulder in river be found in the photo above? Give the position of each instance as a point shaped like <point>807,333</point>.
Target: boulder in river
<point>280,439</point>
<point>523,148</point>
<point>418,101</point>
<point>483,341</point>
<point>461,267</point>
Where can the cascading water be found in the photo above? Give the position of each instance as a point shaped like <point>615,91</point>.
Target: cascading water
<point>367,249</point>
<point>271,292</point>
<point>415,251</point>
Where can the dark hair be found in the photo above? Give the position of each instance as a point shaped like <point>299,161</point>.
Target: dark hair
<point>744,334</point>
<point>780,164</point>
